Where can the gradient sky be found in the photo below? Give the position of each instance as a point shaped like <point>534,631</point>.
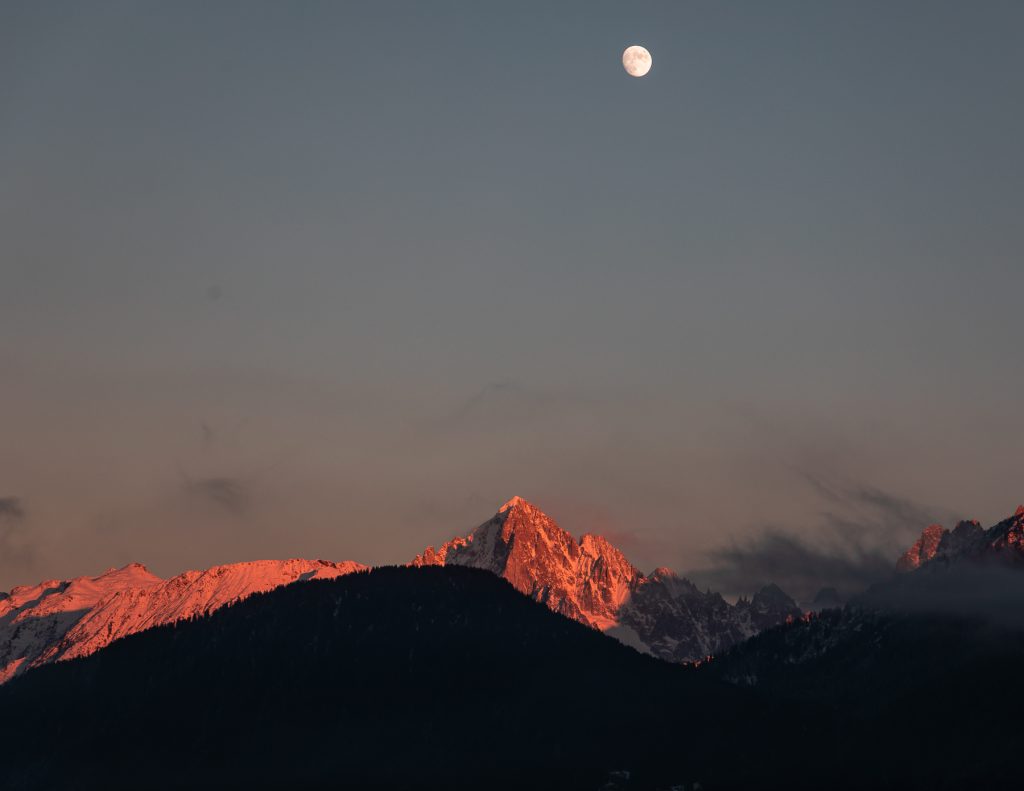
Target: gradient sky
<point>337,279</point>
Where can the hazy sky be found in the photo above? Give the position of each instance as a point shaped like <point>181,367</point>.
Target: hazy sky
<point>337,279</point>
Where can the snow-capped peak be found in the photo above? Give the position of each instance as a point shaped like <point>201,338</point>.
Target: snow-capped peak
<point>593,582</point>
<point>516,502</point>
<point>589,580</point>
<point>63,619</point>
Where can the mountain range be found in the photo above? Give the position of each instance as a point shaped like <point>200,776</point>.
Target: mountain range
<point>442,674</point>
<point>64,619</point>
<point>396,678</point>
<point>447,677</point>
<point>592,582</point>
<point>587,580</point>
<point>968,541</point>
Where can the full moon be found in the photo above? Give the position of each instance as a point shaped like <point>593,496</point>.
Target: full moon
<point>636,60</point>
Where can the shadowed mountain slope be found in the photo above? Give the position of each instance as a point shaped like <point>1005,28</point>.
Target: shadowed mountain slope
<point>907,700</point>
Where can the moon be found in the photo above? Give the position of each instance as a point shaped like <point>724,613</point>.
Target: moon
<point>636,61</point>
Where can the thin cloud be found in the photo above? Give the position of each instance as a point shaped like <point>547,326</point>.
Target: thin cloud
<point>505,401</point>
<point>16,548</point>
<point>854,545</point>
<point>11,509</point>
<point>796,565</point>
<point>229,495</point>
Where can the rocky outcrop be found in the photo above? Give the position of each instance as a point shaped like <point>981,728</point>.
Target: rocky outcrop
<point>591,581</point>
<point>923,549</point>
<point>1002,543</point>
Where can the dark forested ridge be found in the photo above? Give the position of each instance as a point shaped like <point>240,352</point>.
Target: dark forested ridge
<point>449,678</point>
<point>418,678</point>
<point>908,700</point>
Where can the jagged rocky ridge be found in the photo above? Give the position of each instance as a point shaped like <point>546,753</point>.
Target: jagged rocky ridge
<point>1001,543</point>
<point>592,582</point>
<point>63,619</point>
<point>960,594</point>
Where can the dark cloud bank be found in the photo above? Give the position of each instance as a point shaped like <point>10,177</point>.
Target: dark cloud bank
<point>861,533</point>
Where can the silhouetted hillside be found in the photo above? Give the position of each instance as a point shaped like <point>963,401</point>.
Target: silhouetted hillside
<point>907,700</point>
<point>422,677</point>
<point>446,677</point>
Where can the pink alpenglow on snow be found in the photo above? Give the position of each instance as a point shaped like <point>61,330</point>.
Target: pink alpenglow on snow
<point>57,619</point>
<point>591,581</point>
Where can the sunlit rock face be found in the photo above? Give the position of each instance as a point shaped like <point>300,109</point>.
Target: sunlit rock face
<point>923,549</point>
<point>1001,543</point>
<point>591,581</point>
<point>587,581</point>
<point>63,619</point>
